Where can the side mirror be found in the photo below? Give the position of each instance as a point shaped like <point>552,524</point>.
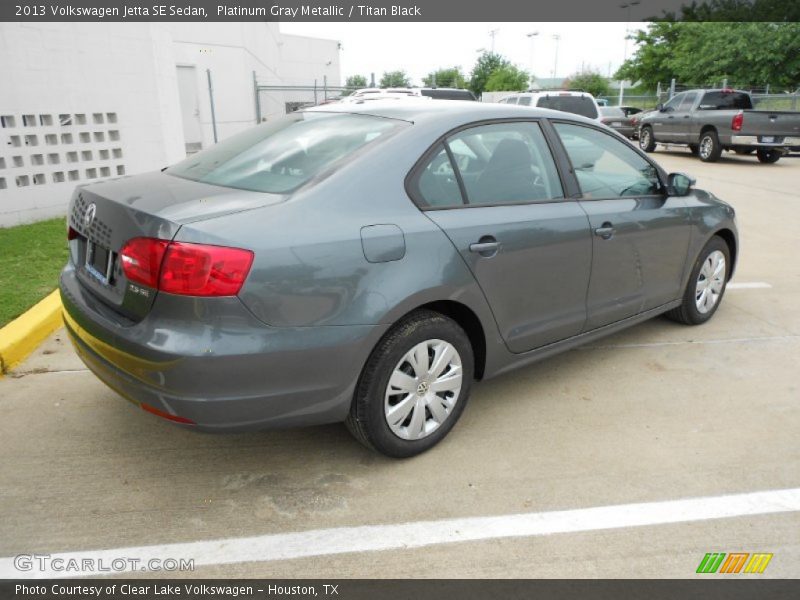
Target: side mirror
<point>660,107</point>
<point>679,184</point>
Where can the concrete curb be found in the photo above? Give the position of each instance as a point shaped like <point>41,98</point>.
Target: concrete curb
<point>24,334</point>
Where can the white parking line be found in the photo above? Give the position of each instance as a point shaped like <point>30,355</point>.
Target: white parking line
<point>748,285</point>
<point>372,538</point>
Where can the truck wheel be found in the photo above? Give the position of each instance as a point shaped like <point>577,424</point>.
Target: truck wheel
<point>710,149</point>
<point>647,141</point>
<point>744,150</point>
<point>694,149</point>
<point>768,155</point>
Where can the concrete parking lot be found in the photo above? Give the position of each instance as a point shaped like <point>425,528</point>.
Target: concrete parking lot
<point>660,412</point>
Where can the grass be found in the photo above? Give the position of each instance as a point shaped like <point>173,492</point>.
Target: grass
<point>31,257</point>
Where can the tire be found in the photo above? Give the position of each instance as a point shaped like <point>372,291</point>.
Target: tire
<point>768,155</point>
<point>694,149</point>
<point>647,140</point>
<point>417,429</point>
<point>693,310</point>
<point>744,151</point>
<point>709,148</point>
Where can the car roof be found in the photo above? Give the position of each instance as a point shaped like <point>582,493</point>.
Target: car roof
<point>418,111</point>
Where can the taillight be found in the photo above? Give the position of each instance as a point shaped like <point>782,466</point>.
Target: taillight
<point>71,234</point>
<point>200,270</point>
<point>141,260</point>
<point>184,268</point>
<point>736,122</point>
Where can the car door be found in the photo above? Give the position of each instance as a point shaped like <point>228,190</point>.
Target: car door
<point>640,234</point>
<point>665,126</point>
<point>683,116</point>
<point>495,191</point>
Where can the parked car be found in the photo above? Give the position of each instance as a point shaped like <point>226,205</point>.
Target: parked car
<point>435,93</point>
<point>636,120</point>
<point>366,263</point>
<point>579,103</point>
<point>446,94</point>
<point>710,121</point>
<point>631,110</point>
<point>616,119</point>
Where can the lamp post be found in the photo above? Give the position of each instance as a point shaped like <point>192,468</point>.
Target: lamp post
<point>492,34</point>
<point>627,7</point>
<point>556,37</point>
<point>532,36</point>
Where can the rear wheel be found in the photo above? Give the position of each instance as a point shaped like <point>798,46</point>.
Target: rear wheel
<point>709,149</point>
<point>706,284</point>
<point>768,155</point>
<point>414,386</point>
<point>646,140</point>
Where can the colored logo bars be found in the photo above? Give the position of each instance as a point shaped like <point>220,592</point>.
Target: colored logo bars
<point>736,562</point>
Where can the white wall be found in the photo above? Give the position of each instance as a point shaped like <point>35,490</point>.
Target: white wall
<point>126,72</point>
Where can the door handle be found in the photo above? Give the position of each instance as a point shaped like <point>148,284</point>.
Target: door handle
<point>605,231</point>
<point>487,246</point>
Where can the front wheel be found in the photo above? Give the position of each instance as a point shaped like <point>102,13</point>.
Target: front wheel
<point>414,386</point>
<point>706,284</point>
<point>768,155</point>
<point>647,141</point>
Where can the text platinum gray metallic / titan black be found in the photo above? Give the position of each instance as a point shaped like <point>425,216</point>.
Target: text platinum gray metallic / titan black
<point>367,263</point>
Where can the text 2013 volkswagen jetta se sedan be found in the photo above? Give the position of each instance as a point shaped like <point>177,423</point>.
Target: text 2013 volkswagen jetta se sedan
<point>366,263</point>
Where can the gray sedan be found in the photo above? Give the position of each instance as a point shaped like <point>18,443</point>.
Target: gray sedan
<point>368,263</point>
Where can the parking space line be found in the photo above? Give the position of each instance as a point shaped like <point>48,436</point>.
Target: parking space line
<point>371,538</point>
<point>748,285</point>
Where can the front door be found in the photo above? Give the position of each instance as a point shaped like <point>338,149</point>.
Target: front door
<point>502,206</point>
<point>640,235</point>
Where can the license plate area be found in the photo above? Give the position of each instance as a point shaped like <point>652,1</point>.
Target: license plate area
<point>99,262</point>
<point>767,139</point>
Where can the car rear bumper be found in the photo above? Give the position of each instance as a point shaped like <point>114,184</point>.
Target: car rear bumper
<point>212,365</point>
<point>752,140</point>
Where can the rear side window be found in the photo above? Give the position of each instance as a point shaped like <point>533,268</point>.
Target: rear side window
<point>524,101</point>
<point>281,156</point>
<point>726,100</point>
<point>578,105</point>
<point>437,183</point>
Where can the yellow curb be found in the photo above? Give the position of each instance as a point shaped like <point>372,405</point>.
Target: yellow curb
<point>24,334</point>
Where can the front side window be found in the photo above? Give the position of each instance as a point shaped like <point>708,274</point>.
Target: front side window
<point>674,102</point>
<point>605,166</point>
<point>281,156</point>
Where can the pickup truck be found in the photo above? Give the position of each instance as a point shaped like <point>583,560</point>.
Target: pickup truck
<point>710,121</point>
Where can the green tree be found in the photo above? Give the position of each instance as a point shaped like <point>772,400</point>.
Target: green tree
<point>395,79</point>
<point>737,10</point>
<point>446,77</point>
<point>487,63</point>
<point>588,81</point>
<point>507,78</point>
<point>700,53</point>
<point>353,83</point>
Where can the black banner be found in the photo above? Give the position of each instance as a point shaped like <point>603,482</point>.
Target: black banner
<point>734,588</point>
<point>399,10</point>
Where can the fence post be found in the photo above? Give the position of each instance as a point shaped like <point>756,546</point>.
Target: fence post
<point>258,99</point>
<point>325,87</point>
<point>315,92</point>
<point>725,83</point>
<point>671,88</point>
<point>211,99</point>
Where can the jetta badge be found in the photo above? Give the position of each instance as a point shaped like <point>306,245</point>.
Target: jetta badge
<point>89,215</point>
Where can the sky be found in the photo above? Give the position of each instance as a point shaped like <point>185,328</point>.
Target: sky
<point>419,48</point>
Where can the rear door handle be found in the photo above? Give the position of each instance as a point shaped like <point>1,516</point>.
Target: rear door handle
<point>605,231</point>
<point>486,246</point>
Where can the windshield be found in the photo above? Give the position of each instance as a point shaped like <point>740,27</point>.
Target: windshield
<point>579,105</point>
<point>280,156</point>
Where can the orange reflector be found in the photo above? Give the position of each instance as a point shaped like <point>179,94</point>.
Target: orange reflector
<point>166,415</point>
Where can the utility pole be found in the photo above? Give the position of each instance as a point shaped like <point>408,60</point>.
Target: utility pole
<point>627,6</point>
<point>532,36</point>
<point>492,34</point>
<point>556,37</point>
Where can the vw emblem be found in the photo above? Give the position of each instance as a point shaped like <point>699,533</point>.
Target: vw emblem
<point>89,215</point>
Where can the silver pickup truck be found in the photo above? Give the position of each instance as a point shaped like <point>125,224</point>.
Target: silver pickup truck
<point>710,121</point>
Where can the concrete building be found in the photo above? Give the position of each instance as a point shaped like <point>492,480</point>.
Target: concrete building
<point>81,102</point>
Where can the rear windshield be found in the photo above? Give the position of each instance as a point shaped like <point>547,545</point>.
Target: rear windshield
<point>280,156</point>
<point>725,100</point>
<point>579,105</point>
<point>448,94</point>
